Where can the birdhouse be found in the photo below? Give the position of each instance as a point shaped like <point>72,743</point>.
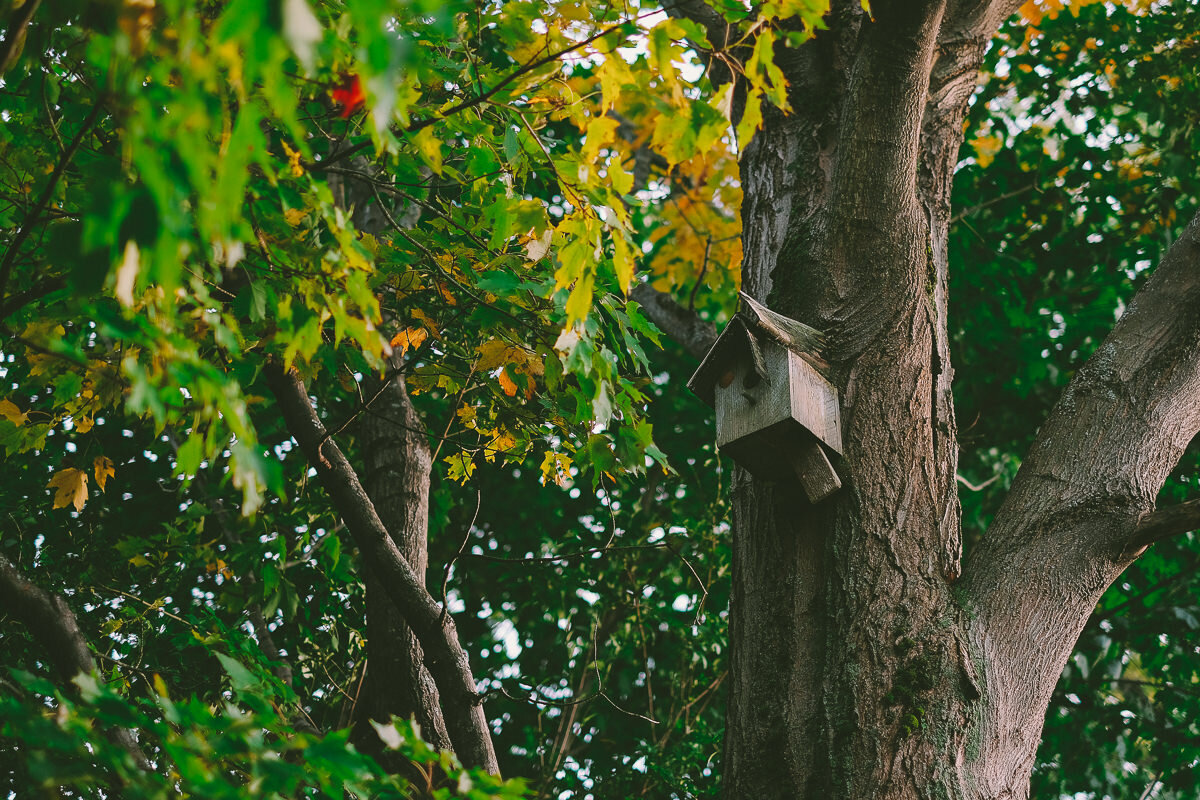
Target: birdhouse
<point>776,412</point>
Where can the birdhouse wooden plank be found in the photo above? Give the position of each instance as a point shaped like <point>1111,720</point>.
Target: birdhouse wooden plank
<point>776,411</point>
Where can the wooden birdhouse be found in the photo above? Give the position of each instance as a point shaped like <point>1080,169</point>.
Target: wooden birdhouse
<point>776,412</point>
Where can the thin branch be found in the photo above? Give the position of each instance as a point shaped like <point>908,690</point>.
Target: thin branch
<point>31,218</point>
<point>457,555</point>
<point>977,487</point>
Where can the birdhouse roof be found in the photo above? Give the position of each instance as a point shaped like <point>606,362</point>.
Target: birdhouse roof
<point>742,338</point>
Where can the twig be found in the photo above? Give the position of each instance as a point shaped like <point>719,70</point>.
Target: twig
<point>977,487</point>
<point>458,554</point>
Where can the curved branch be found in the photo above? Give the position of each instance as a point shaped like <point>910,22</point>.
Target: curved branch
<point>1063,534</point>
<point>686,327</point>
<point>444,655</point>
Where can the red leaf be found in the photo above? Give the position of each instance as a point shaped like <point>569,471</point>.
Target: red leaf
<point>349,96</point>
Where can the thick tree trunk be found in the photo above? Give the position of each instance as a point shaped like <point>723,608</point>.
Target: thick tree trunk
<point>396,476</point>
<point>863,666</point>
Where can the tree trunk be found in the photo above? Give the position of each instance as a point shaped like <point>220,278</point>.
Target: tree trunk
<point>396,476</point>
<point>863,665</point>
<point>445,658</point>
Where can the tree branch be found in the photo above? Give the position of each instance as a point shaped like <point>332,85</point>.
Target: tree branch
<point>685,327</point>
<point>1063,534</point>
<point>444,655</point>
<point>14,37</point>
<point>1119,429</point>
<point>31,218</point>
<point>1163,523</point>
<point>52,624</point>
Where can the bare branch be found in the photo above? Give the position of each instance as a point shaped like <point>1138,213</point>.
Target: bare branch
<point>685,327</point>
<point>52,624</point>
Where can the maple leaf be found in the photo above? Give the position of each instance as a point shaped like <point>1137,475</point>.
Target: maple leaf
<point>409,338</point>
<point>70,487</point>
<point>103,468</point>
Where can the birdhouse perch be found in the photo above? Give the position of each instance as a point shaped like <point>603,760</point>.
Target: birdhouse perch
<point>776,412</point>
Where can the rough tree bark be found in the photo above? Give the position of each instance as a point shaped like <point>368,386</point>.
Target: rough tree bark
<point>864,665</point>
<point>396,474</point>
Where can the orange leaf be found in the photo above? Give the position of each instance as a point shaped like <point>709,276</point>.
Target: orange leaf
<point>506,383</point>
<point>409,337</point>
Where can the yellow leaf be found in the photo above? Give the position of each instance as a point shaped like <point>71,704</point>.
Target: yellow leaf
<point>556,467</point>
<point>621,180</point>
<point>600,132</point>
<point>498,353</point>
<point>467,414</point>
<point>623,262</point>
<point>83,424</point>
<point>752,118</point>
<point>986,148</point>
<point>293,157</point>
<point>409,338</point>
<point>506,383</point>
<point>10,412</point>
<point>70,487</point>
<point>103,469</point>
<point>430,148</point>
<point>293,216</point>
<point>614,75</point>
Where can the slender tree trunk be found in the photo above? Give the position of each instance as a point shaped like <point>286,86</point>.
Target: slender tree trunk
<point>396,476</point>
<point>445,658</point>
<point>862,664</point>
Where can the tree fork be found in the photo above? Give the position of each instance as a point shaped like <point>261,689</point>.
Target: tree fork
<point>444,655</point>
